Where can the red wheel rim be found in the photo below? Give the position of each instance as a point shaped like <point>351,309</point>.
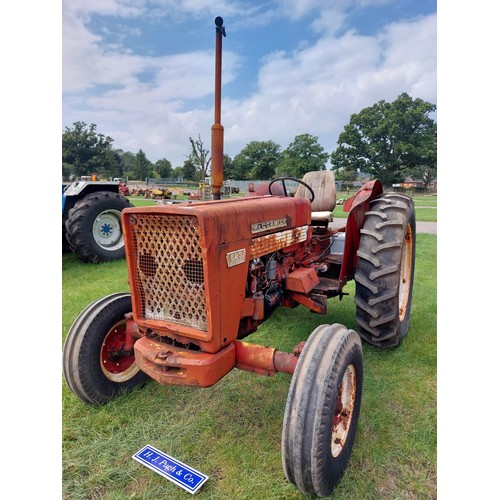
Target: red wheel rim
<point>116,365</point>
<point>344,410</point>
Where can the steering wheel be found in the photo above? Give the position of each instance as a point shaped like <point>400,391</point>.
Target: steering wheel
<point>286,193</point>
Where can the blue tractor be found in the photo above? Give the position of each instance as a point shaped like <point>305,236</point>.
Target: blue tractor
<point>91,220</point>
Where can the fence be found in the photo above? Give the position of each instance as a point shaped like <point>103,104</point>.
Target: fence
<point>240,184</point>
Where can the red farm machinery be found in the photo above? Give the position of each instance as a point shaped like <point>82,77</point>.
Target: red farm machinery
<point>204,275</point>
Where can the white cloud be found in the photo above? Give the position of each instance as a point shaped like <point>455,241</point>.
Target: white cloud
<point>79,51</point>
<point>121,8</point>
<point>162,8</point>
<point>313,89</point>
<point>296,9</point>
<point>330,21</point>
<point>150,115</point>
<point>316,90</point>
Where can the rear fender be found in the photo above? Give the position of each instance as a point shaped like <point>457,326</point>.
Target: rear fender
<point>79,189</point>
<point>357,206</point>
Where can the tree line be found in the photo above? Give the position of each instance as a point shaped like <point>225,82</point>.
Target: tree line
<point>387,141</point>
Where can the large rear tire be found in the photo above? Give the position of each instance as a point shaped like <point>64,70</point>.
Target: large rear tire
<point>95,365</point>
<point>322,409</point>
<point>386,265</point>
<point>93,228</point>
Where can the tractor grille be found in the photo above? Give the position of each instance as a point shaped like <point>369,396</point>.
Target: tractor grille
<point>168,269</point>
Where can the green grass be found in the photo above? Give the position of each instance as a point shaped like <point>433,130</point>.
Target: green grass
<point>140,201</point>
<point>425,207</point>
<point>232,431</point>
<point>422,214</point>
<point>426,214</point>
<point>425,201</point>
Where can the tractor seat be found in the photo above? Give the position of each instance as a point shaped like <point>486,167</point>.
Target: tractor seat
<point>322,183</point>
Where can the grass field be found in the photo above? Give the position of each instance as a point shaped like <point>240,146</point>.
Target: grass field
<point>425,207</point>
<point>232,431</point>
<point>424,214</point>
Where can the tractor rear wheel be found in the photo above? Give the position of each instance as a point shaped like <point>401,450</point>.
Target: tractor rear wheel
<point>93,227</point>
<point>322,409</point>
<point>95,365</point>
<point>386,264</point>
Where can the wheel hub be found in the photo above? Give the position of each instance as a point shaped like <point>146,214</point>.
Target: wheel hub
<point>116,364</point>
<point>107,230</point>
<point>344,409</point>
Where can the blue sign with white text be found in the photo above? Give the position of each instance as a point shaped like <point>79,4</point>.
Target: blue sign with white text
<point>179,473</point>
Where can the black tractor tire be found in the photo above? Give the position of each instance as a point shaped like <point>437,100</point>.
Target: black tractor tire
<point>65,245</point>
<point>322,409</point>
<point>93,228</point>
<point>94,367</point>
<point>386,265</point>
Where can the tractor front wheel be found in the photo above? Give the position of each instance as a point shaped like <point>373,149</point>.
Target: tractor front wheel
<point>322,409</point>
<point>95,363</point>
<point>386,264</point>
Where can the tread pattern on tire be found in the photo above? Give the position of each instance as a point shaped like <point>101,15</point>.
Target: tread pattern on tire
<point>309,406</point>
<point>378,274</point>
<point>77,356</point>
<point>79,227</point>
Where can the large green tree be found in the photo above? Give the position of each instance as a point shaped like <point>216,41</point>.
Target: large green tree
<point>86,152</point>
<point>142,166</point>
<point>189,172</point>
<point>227,165</point>
<point>304,154</point>
<point>257,160</point>
<point>425,165</point>
<point>389,141</point>
<point>128,159</point>
<point>164,168</point>
<point>113,165</point>
<point>178,172</point>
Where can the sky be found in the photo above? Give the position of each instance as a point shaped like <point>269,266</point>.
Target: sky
<point>143,70</point>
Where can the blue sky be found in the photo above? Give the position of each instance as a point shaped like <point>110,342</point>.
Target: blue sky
<point>143,71</point>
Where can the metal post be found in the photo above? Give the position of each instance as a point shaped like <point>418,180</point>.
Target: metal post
<point>217,128</point>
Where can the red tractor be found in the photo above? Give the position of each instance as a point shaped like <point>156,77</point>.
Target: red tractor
<point>204,275</point>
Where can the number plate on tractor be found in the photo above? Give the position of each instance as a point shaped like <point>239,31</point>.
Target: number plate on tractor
<point>179,473</point>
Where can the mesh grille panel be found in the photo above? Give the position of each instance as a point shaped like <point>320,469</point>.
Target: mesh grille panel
<point>169,268</point>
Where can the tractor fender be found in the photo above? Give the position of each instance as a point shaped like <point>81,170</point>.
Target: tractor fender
<point>357,206</point>
<point>81,188</point>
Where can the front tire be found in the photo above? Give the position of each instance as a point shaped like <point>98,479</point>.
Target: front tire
<point>322,409</point>
<point>386,265</point>
<point>95,365</point>
<point>93,227</point>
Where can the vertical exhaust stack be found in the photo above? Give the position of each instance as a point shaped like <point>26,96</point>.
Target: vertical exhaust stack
<point>217,128</point>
